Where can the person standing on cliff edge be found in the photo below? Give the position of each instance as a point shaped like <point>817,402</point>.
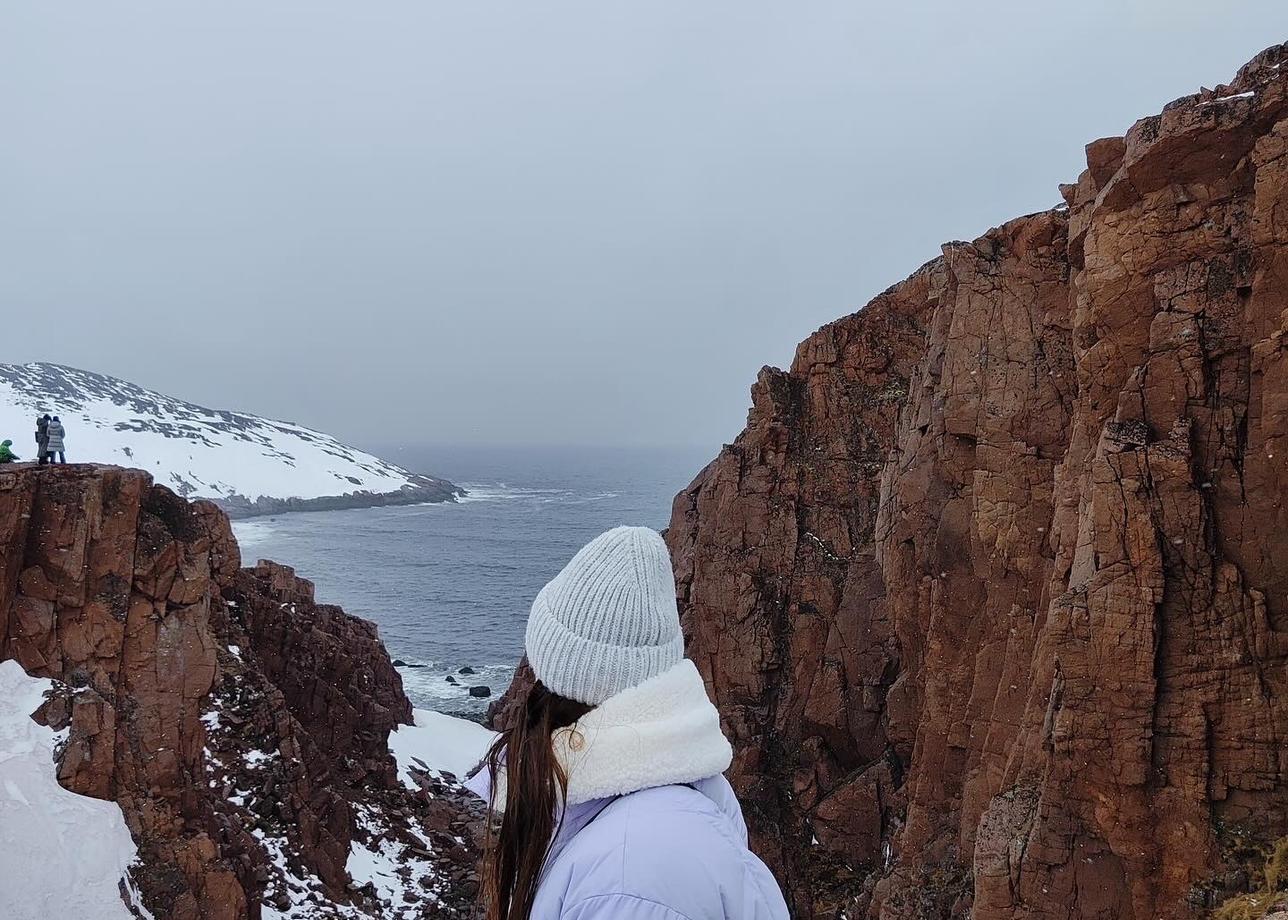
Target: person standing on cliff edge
<point>42,437</point>
<point>54,445</point>
<point>609,786</point>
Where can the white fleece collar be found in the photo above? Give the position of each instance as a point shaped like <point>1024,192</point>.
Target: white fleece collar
<point>662,732</point>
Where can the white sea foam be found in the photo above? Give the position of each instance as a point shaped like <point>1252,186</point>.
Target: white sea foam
<point>428,686</point>
<point>499,491</point>
<point>253,532</point>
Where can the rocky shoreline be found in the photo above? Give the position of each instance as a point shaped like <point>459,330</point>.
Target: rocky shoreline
<point>426,489</point>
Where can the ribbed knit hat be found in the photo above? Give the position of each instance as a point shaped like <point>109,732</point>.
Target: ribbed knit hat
<point>608,621</point>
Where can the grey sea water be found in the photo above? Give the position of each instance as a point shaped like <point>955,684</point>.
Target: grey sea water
<point>450,585</point>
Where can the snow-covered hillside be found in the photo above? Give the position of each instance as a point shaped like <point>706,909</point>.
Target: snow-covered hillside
<point>250,464</point>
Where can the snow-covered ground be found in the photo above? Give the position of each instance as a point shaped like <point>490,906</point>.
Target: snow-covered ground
<point>391,852</point>
<point>61,854</point>
<point>197,452</point>
<point>402,878</point>
<point>440,743</point>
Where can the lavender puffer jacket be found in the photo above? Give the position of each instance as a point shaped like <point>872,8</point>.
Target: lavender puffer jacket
<point>652,830</point>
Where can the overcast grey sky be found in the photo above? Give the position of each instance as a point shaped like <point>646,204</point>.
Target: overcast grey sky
<point>561,222</point>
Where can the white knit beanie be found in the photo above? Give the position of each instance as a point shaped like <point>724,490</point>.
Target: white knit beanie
<point>608,621</point>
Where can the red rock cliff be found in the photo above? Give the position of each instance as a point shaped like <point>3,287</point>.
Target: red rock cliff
<point>991,591</point>
<point>241,726</point>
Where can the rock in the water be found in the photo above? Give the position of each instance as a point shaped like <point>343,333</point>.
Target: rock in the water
<point>466,670</point>
<point>399,663</point>
<point>480,691</point>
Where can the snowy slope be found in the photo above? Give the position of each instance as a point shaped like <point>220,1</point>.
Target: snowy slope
<point>197,452</point>
<point>439,742</point>
<point>61,854</point>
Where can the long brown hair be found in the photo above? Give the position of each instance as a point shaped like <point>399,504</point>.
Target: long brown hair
<point>535,789</point>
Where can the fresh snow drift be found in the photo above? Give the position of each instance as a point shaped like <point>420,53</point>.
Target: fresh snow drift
<point>61,854</point>
<point>440,743</point>
<point>247,463</point>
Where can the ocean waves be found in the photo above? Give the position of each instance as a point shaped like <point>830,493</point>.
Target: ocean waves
<point>450,585</point>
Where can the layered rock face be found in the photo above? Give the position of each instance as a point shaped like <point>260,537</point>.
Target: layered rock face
<point>241,727</point>
<point>991,591</point>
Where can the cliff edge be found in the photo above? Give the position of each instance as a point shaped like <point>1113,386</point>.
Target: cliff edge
<point>241,727</point>
<point>991,590</point>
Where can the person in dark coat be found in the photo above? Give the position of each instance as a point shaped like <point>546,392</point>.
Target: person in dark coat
<point>42,437</point>
<point>55,444</point>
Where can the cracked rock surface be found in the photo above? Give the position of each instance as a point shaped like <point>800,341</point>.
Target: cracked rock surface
<point>991,591</point>
<point>241,726</point>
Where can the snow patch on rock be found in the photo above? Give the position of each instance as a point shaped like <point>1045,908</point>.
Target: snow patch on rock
<point>402,875</point>
<point>61,854</point>
<point>438,743</point>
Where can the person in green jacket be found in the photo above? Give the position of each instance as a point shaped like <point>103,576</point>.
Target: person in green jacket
<point>6,453</point>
